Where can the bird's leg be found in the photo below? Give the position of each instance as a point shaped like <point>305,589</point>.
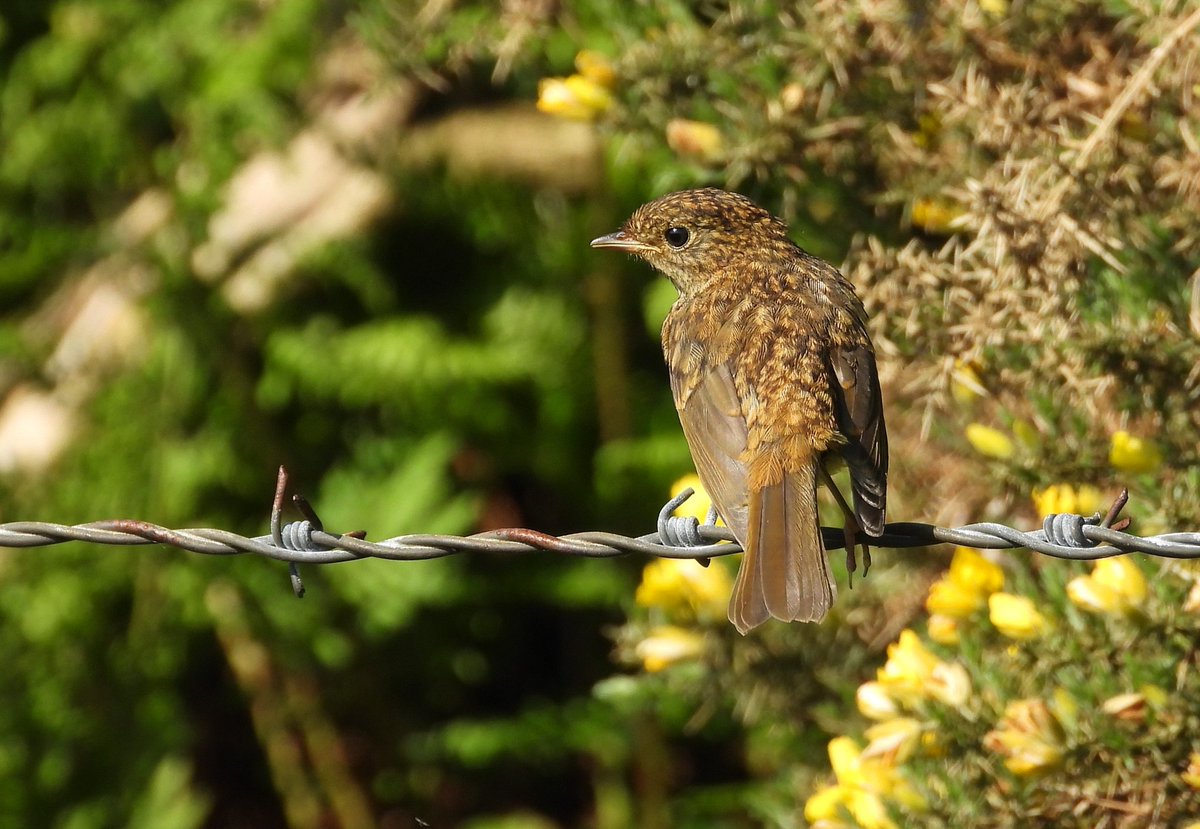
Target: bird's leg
<point>850,528</point>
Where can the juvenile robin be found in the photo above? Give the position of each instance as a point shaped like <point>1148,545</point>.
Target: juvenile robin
<point>774,377</point>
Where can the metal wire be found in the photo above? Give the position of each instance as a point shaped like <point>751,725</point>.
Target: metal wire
<point>306,542</point>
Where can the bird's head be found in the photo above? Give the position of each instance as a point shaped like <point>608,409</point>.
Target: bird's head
<point>694,235</point>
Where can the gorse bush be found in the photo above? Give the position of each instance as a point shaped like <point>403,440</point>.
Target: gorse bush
<point>1022,181</point>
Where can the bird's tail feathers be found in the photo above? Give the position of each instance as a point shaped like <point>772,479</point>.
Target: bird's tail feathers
<point>784,573</point>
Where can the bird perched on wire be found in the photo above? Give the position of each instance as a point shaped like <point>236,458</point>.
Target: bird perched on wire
<point>774,377</point>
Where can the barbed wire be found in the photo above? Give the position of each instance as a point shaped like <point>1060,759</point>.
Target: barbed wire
<point>1066,536</point>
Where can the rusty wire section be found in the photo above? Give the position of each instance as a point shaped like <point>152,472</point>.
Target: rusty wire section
<point>307,542</point>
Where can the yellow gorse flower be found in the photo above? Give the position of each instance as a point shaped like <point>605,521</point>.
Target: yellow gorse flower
<point>948,598</point>
<point>1133,454</point>
<point>1085,593</point>
<point>1028,737</point>
<point>695,139</point>
<point>949,684</point>
<point>943,629</point>
<point>964,589</point>
<point>894,740</point>
<point>908,668</point>
<point>667,645</point>
<point>1123,577</point>
<point>936,215</point>
<point>575,97</point>
<point>581,96</point>
<point>874,701</point>
<point>910,676</point>
<point>864,785</point>
<point>1116,585</point>
<point>996,9</point>
<point>970,569</point>
<point>698,505</point>
<point>825,806</point>
<point>989,442</point>
<point>684,587</point>
<point>1063,498</point>
<point>965,384</point>
<point>596,68</point>
<point>1015,616</point>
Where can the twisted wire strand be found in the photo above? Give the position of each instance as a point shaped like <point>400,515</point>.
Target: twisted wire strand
<point>306,542</point>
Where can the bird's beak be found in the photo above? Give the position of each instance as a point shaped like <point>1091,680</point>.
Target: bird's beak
<point>620,241</point>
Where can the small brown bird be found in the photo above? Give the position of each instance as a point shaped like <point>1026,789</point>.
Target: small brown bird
<point>774,377</point>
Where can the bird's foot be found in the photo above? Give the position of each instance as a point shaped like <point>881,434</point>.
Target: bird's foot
<point>851,531</point>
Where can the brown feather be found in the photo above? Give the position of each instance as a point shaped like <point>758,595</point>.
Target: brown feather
<point>716,435</point>
<point>859,411</point>
<point>784,572</point>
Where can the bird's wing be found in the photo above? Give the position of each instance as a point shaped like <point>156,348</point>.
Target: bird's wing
<point>784,573</point>
<point>858,406</point>
<point>715,429</point>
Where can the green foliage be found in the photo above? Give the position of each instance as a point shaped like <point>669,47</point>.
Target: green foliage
<point>116,96</point>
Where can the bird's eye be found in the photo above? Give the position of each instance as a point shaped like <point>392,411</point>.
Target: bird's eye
<point>677,237</point>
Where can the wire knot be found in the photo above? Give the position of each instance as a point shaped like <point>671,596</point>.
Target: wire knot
<point>297,535</point>
<point>1066,530</point>
<point>682,530</point>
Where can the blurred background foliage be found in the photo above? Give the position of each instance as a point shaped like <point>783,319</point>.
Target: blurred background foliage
<point>342,237</point>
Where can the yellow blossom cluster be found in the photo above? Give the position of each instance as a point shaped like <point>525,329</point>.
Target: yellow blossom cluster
<point>1000,445</point>
<point>582,96</point>
<point>865,785</point>
<point>912,674</point>
<point>1133,454</point>
<point>1029,738</point>
<point>962,591</point>
<point>1115,586</point>
<point>971,583</point>
<point>1063,499</point>
<point>940,216</point>
<point>1016,616</point>
<point>668,644</point>
<point>990,442</point>
<point>684,590</point>
<point>869,779</point>
<point>698,505</point>
<point>1126,453</point>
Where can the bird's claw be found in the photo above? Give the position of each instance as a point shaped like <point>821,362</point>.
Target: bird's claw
<point>852,540</point>
<point>850,530</point>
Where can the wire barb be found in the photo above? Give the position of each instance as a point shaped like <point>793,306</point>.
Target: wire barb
<point>277,538</point>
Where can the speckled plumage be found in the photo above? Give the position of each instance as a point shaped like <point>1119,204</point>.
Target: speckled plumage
<point>773,374</point>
